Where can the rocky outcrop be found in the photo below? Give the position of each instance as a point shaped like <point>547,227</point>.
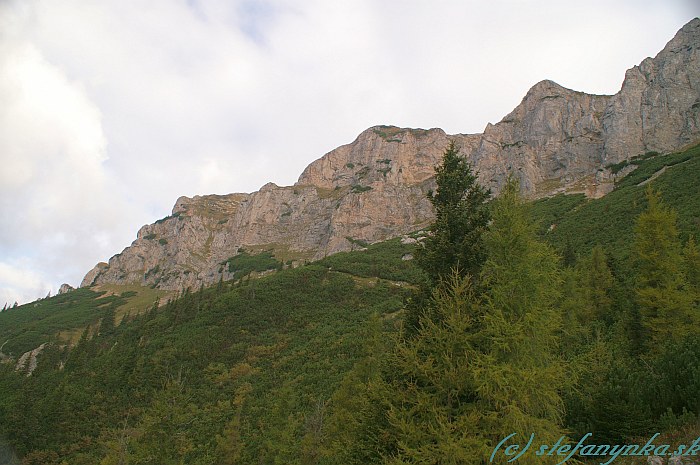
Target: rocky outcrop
<point>559,140</point>
<point>383,155</point>
<point>658,107</point>
<point>65,288</point>
<point>551,141</point>
<point>555,140</point>
<point>28,362</point>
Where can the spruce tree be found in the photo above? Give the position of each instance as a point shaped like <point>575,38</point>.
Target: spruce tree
<point>455,237</point>
<point>461,217</point>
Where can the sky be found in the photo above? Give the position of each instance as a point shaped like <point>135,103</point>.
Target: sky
<point>111,110</point>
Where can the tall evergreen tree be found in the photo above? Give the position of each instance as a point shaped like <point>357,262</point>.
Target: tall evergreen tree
<point>482,366</point>
<point>461,217</point>
<point>665,306</point>
<point>588,298</point>
<point>455,239</point>
<point>432,412</point>
<point>518,373</point>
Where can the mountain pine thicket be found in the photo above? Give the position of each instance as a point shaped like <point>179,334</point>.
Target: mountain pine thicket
<point>315,365</point>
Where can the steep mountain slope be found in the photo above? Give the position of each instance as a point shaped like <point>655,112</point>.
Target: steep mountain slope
<point>249,366</point>
<point>556,140</point>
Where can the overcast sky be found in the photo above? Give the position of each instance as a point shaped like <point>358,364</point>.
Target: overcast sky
<point>111,110</point>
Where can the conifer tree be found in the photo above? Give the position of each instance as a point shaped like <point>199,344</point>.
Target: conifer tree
<point>599,281</point>
<point>665,306</point>
<point>230,443</point>
<point>594,285</point>
<point>461,216</point>
<point>518,373</point>
<point>107,324</point>
<point>454,243</point>
<point>482,366</point>
<point>431,399</point>
<point>691,254</point>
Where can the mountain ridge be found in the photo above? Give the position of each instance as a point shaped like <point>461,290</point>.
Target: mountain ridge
<point>556,140</point>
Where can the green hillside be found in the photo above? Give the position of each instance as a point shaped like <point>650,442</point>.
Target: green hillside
<point>259,371</point>
<point>609,221</point>
<point>64,317</point>
<point>283,342</point>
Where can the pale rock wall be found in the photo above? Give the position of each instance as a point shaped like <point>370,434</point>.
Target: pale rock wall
<point>658,107</point>
<point>555,140</point>
<point>553,135</point>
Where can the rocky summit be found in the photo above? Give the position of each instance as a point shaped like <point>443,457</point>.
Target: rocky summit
<point>556,140</point>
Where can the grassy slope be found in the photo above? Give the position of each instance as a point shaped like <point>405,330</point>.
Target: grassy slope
<point>26,327</point>
<point>66,316</point>
<point>137,298</point>
<point>381,260</point>
<point>609,221</point>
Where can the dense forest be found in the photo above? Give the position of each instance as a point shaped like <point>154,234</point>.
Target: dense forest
<point>558,317</point>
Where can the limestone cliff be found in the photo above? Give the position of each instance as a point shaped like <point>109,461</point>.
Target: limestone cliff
<point>556,140</point>
<point>366,191</point>
<point>552,140</point>
<point>560,140</point>
<point>658,107</point>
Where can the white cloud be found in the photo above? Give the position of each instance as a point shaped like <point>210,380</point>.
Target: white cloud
<point>19,284</point>
<point>54,192</point>
<point>111,110</point>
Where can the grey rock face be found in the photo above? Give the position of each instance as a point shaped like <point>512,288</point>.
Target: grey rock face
<point>27,362</point>
<point>551,141</point>
<point>350,196</point>
<point>658,107</point>
<point>556,140</point>
<point>65,288</point>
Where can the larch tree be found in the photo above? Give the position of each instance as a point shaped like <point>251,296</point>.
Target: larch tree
<point>432,410</point>
<point>664,303</point>
<point>519,374</point>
